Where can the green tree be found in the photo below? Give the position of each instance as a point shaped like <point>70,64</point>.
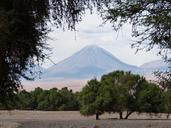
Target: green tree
<point>167,103</point>
<point>151,99</point>
<point>69,101</point>
<point>119,91</point>
<point>25,100</point>
<point>47,100</point>
<point>88,99</point>
<point>34,95</point>
<point>43,100</point>
<point>55,99</point>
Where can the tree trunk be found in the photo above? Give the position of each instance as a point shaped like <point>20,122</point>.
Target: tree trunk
<point>97,116</point>
<point>120,115</point>
<point>128,114</point>
<point>168,114</point>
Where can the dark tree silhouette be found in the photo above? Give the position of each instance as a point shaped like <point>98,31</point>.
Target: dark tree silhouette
<point>23,34</point>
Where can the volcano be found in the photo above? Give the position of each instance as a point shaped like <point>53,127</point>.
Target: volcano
<point>91,61</point>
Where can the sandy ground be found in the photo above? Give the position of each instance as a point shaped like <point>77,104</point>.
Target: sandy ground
<point>75,85</point>
<point>39,119</point>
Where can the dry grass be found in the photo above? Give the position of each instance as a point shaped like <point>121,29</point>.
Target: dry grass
<point>9,124</point>
<point>39,119</point>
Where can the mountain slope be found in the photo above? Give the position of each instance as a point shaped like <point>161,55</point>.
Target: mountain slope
<point>157,65</point>
<point>91,61</point>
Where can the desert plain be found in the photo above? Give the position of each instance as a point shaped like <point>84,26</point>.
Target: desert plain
<point>73,119</point>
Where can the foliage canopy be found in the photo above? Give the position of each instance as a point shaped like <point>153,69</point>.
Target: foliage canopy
<point>23,34</point>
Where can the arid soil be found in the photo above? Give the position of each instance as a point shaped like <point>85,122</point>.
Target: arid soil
<point>75,85</point>
<point>39,119</point>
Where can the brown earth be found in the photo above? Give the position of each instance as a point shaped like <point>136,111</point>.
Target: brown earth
<point>70,119</point>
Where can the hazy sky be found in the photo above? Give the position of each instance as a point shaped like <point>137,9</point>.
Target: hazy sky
<point>90,32</point>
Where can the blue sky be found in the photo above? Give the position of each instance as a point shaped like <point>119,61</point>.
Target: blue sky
<point>91,32</point>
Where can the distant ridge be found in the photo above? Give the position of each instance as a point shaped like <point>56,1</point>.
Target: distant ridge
<point>156,64</point>
<point>152,66</point>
